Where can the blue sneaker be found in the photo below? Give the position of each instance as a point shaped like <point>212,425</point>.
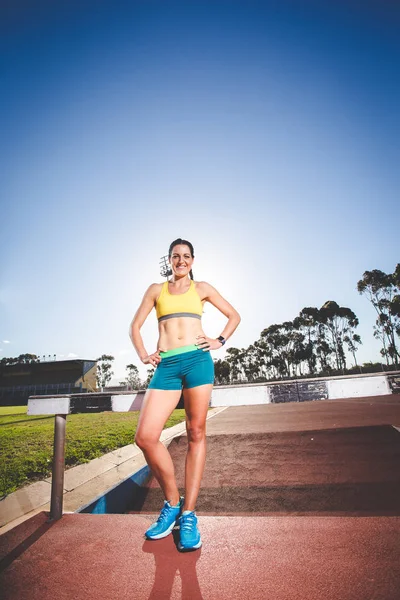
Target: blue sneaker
<point>165,522</point>
<point>189,534</point>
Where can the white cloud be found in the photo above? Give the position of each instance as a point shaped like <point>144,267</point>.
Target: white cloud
<point>6,342</point>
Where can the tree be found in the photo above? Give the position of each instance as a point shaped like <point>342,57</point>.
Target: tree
<point>234,359</point>
<point>265,354</point>
<point>27,358</point>
<point>150,373</point>
<point>222,372</point>
<point>275,342</point>
<point>104,372</point>
<point>339,323</point>
<point>352,340</point>
<point>21,359</point>
<point>254,362</point>
<point>132,380</point>
<point>383,290</point>
<point>395,304</point>
<point>308,323</point>
<point>286,347</point>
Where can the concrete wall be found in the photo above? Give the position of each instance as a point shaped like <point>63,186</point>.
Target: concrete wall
<point>127,402</point>
<point>239,396</point>
<point>351,386</point>
<point>354,388</point>
<point>303,390</point>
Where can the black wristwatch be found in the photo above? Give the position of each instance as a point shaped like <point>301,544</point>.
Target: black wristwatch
<point>221,339</point>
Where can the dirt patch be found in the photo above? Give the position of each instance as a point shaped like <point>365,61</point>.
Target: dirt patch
<point>339,471</point>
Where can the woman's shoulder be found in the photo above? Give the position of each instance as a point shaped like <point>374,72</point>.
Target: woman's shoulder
<point>202,283</point>
<point>154,289</point>
<point>204,287</point>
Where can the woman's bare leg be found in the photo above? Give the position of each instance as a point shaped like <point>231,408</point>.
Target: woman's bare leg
<point>156,408</point>
<point>196,406</point>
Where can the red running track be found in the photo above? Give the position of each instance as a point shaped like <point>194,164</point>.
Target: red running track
<point>283,558</point>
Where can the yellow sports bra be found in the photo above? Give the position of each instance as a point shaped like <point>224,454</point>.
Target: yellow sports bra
<point>178,305</point>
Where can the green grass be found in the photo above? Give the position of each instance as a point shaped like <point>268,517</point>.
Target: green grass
<point>26,442</point>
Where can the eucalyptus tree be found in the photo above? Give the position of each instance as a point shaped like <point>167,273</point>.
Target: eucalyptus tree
<point>251,363</point>
<point>298,352</point>
<point>324,352</point>
<point>353,340</point>
<point>308,323</point>
<point>235,360</point>
<point>383,290</point>
<point>150,373</point>
<point>132,379</point>
<point>28,358</point>
<point>339,322</point>
<point>104,372</point>
<point>395,305</point>
<point>255,362</point>
<point>21,359</point>
<point>274,341</point>
<point>262,353</point>
<point>318,349</point>
<point>222,371</point>
<point>280,339</point>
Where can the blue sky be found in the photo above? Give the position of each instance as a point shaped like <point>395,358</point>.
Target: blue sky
<point>264,132</point>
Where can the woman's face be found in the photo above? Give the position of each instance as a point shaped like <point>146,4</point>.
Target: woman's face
<point>181,260</point>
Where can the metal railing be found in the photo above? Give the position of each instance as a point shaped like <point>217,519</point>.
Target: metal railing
<point>57,479</point>
<point>60,407</point>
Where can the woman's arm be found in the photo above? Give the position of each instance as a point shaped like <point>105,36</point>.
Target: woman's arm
<point>210,294</point>
<point>141,315</point>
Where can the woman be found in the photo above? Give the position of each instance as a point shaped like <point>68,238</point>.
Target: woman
<point>182,361</point>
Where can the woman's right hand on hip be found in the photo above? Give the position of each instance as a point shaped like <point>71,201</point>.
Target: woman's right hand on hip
<point>152,359</point>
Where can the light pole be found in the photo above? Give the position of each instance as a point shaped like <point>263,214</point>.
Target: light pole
<point>165,269</point>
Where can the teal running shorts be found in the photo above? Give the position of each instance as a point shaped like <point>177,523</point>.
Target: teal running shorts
<point>185,367</point>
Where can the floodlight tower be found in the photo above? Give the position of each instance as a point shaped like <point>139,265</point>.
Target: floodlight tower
<point>165,269</point>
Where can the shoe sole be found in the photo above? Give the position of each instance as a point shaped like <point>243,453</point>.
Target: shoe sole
<point>188,549</point>
<point>159,536</point>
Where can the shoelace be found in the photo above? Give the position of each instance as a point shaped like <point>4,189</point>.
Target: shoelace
<point>164,513</point>
<point>188,522</point>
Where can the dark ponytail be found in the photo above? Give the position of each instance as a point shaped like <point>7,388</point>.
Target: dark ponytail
<point>182,242</point>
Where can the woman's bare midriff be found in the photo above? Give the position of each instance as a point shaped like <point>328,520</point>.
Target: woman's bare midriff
<point>177,332</point>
